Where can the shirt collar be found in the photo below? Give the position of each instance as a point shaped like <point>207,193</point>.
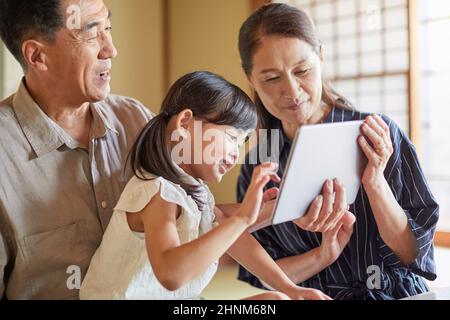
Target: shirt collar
<point>36,125</point>
<point>101,121</point>
<point>43,134</point>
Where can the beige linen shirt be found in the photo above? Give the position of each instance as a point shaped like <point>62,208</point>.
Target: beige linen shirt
<point>56,198</point>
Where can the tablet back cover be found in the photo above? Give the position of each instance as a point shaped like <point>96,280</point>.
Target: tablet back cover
<point>320,152</point>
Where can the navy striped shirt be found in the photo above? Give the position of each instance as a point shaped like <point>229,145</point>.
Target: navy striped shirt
<point>347,277</point>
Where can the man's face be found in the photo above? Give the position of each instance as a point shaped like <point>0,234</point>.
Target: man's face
<point>80,60</point>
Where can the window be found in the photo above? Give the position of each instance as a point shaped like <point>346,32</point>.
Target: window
<point>366,51</point>
<point>434,40</point>
<point>368,48</point>
<point>10,73</point>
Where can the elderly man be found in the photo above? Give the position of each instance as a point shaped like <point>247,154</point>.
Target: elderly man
<point>64,141</point>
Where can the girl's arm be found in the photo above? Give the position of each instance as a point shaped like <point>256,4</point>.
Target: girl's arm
<point>176,264</point>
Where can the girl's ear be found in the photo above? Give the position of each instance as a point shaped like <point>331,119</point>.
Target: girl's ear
<point>184,121</point>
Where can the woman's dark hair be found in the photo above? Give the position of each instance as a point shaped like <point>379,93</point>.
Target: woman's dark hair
<point>211,98</point>
<point>279,19</point>
<point>23,19</point>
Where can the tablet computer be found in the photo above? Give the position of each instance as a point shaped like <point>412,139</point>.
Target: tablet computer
<point>319,152</point>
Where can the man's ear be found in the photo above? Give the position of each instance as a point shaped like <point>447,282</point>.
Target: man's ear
<point>184,121</point>
<point>34,54</point>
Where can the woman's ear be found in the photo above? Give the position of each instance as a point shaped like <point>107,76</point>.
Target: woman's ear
<point>251,81</point>
<point>34,55</point>
<point>184,122</point>
<point>321,54</point>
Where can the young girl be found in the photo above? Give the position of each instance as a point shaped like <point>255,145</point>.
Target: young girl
<point>163,241</point>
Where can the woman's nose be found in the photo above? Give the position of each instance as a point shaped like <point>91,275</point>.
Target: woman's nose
<point>292,90</point>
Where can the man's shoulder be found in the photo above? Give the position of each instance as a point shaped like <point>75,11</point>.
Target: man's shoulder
<point>124,107</point>
<point>6,109</point>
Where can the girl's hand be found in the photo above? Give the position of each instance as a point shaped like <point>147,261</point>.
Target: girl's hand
<point>253,200</point>
<point>326,210</point>
<point>377,146</point>
<point>335,240</point>
<point>300,293</point>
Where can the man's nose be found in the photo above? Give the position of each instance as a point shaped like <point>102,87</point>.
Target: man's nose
<point>108,50</point>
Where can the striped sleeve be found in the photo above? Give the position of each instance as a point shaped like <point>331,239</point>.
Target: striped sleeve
<point>265,237</point>
<point>411,190</point>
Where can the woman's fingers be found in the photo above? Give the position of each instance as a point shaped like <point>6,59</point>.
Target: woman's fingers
<point>382,123</point>
<point>340,205</point>
<point>368,150</point>
<point>377,140</point>
<point>386,130</point>
<point>348,220</point>
<point>375,126</point>
<point>306,222</point>
<point>326,210</point>
<point>327,206</point>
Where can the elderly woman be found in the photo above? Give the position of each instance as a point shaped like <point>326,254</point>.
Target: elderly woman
<point>391,248</point>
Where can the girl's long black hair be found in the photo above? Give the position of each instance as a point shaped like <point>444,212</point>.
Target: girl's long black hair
<point>211,98</point>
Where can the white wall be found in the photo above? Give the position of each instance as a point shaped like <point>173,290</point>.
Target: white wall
<point>204,36</point>
<point>10,73</point>
<point>138,69</point>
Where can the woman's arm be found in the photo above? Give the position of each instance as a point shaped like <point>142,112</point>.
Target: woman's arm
<point>283,274</point>
<point>390,217</point>
<point>249,253</point>
<point>302,267</point>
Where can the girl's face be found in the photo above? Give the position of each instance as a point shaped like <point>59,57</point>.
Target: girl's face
<point>287,75</point>
<point>220,149</point>
<point>206,151</point>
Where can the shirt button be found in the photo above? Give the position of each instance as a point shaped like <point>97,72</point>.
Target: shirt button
<point>104,204</point>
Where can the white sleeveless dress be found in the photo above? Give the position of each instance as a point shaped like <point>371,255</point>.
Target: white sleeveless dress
<point>120,268</point>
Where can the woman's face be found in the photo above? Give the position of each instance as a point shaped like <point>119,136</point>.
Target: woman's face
<point>287,75</point>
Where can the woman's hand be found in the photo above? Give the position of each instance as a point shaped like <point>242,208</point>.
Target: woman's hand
<point>252,204</point>
<point>326,210</point>
<point>335,240</point>
<point>377,146</point>
<point>300,293</point>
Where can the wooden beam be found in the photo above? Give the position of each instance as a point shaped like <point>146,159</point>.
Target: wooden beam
<point>166,44</point>
<point>415,112</point>
<point>442,239</point>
